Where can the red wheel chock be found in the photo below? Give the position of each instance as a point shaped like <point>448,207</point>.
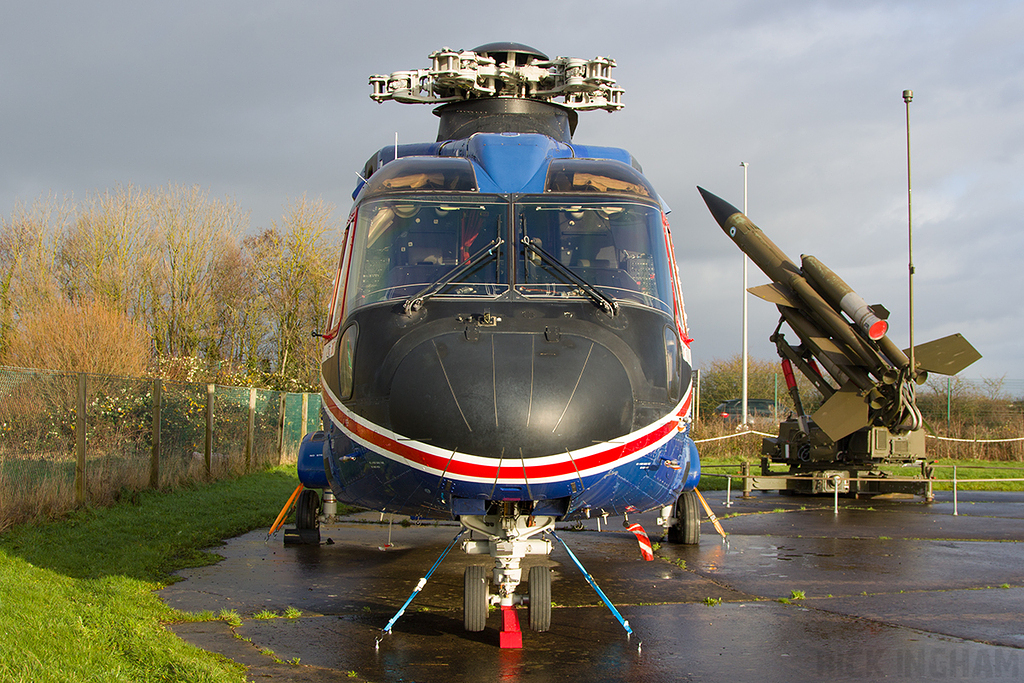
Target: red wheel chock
<point>511,637</point>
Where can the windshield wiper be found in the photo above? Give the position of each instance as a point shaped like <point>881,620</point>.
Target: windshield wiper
<point>607,303</point>
<point>415,302</point>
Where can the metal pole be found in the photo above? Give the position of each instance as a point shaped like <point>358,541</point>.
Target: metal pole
<point>744,294</point>
<point>775,407</point>
<point>696,396</point>
<point>955,511</point>
<point>949,401</point>
<point>908,95</point>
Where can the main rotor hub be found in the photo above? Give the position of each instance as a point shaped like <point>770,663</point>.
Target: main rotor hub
<point>504,70</point>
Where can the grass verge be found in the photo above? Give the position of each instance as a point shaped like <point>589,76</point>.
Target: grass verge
<point>76,596</point>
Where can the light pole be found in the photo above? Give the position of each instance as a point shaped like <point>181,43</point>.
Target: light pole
<point>744,399</point>
<point>908,95</point>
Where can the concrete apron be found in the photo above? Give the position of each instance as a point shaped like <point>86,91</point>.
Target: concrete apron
<point>883,589</point>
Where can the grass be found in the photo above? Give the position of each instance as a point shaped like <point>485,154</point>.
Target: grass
<point>77,599</point>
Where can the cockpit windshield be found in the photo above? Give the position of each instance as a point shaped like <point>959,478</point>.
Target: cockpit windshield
<point>616,245</point>
<point>611,249</point>
<point>403,245</point>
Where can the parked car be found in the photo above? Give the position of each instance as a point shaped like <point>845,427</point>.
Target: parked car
<point>732,410</point>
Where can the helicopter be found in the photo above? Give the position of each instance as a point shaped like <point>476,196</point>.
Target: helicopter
<point>506,342</point>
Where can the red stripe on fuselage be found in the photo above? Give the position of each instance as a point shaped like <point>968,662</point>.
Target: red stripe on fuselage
<point>517,470</point>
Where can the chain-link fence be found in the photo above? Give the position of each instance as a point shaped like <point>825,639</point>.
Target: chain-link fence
<point>72,439</point>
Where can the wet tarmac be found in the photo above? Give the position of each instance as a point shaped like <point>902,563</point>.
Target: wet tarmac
<point>881,590</point>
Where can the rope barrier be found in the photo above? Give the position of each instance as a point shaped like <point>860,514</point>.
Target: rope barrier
<point>733,436</point>
<point>782,475</point>
<point>930,436</point>
<point>947,438</point>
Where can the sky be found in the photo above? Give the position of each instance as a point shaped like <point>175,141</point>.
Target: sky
<point>264,102</point>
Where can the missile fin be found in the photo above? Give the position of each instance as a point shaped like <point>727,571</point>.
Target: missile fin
<point>843,413</point>
<point>946,356</point>
<point>775,293</point>
<point>831,350</point>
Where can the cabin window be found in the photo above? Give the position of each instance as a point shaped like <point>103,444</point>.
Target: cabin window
<point>616,245</point>
<point>405,244</point>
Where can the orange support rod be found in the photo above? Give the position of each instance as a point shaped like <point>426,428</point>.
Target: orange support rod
<point>284,511</point>
<point>711,515</point>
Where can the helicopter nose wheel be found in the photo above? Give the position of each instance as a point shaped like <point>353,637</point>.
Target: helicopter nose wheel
<point>509,537</point>
<point>475,598</point>
<point>540,598</point>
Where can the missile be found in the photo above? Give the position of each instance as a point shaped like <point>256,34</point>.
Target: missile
<point>841,295</point>
<point>813,300</point>
<point>777,266</point>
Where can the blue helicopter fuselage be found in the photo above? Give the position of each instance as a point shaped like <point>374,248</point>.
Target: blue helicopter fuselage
<point>506,325</point>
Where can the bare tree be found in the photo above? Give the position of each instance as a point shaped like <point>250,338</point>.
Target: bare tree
<point>27,246</point>
<point>292,268</point>
<point>195,234</point>
<point>108,252</point>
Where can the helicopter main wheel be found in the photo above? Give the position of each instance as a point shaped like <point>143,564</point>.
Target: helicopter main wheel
<point>307,510</point>
<point>540,598</point>
<point>307,520</point>
<point>686,529</point>
<point>474,598</point>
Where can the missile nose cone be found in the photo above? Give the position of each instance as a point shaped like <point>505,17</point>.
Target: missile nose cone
<point>720,209</point>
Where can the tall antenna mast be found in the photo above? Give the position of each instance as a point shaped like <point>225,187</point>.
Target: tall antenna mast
<point>908,95</point>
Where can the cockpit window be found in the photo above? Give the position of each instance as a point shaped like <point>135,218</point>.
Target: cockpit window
<point>422,174</point>
<point>596,176</point>
<point>404,244</point>
<point>617,246</point>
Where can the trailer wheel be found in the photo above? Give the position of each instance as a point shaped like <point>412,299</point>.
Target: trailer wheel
<point>686,529</point>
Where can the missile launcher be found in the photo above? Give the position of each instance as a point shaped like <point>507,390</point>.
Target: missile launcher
<point>868,416</point>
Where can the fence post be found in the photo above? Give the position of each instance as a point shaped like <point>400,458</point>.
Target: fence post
<point>250,432</point>
<point>280,428</point>
<point>305,415</point>
<point>154,458</point>
<point>80,440</point>
<point>208,451</point>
